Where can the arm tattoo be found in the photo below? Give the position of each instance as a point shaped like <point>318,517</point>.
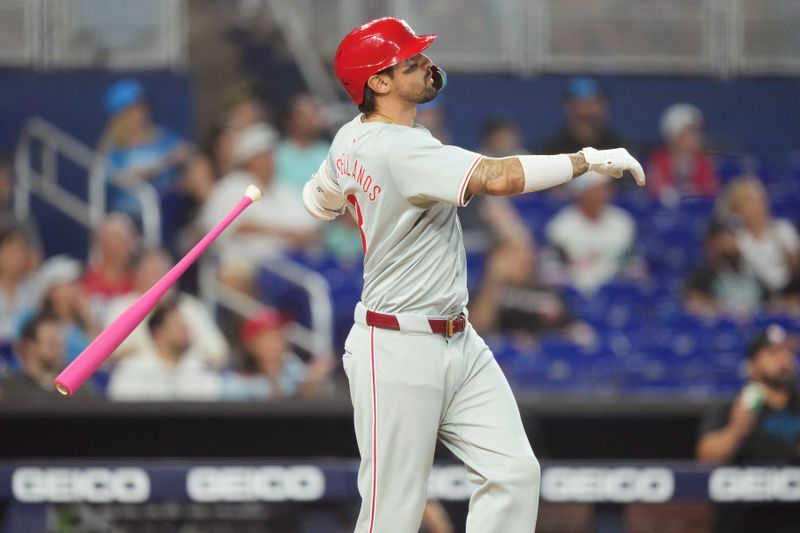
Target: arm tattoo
<point>579,164</point>
<point>505,176</point>
<point>487,171</point>
<point>497,177</point>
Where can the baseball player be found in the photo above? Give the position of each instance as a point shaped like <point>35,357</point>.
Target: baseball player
<point>417,370</point>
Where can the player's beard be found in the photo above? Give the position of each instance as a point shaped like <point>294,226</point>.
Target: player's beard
<point>426,94</point>
<point>429,92</point>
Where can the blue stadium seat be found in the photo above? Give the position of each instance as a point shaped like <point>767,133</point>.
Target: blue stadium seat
<point>636,201</point>
<point>8,363</point>
<point>476,266</point>
<point>729,166</point>
<point>789,322</point>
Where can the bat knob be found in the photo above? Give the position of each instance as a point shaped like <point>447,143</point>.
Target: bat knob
<point>253,192</point>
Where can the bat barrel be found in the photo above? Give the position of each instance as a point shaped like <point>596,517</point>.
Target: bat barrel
<point>81,369</point>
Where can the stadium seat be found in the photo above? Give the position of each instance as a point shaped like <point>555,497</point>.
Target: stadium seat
<point>8,363</point>
<point>788,322</point>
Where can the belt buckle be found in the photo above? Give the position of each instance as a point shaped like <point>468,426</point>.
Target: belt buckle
<point>451,325</point>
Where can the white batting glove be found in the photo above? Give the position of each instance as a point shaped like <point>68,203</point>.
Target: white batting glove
<point>614,163</point>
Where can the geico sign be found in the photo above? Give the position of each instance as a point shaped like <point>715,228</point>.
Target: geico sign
<point>94,485</point>
<point>564,484</point>
<point>754,484</point>
<point>246,484</point>
<point>449,483</point>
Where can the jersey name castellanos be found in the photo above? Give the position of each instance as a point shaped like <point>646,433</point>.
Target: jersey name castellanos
<point>402,186</point>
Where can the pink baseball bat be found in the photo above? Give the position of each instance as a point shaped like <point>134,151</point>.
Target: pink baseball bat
<point>72,377</point>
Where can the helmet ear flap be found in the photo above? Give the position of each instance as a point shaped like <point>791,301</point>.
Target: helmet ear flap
<point>439,78</point>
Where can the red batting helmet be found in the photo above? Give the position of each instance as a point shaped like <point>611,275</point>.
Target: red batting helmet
<point>372,47</point>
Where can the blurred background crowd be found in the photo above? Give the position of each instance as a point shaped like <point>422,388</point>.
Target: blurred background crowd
<point>565,276</point>
<point>595,287</point>
<point>621,316</point>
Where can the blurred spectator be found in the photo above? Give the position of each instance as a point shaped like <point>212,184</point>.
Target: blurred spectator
<point>7,216</point>
<point>302,149</point>
<point>724,284</point>
<point>138,150</point>
<point>770,246</point>
<point>218,147</point>
<point>501,138</point>
<point>593,241</point>
<point>435,519</point>
<point>208,165</point>
<point>512,299</point>
<point>342,240</point>
<point>198,181</point>
<point>19,291</point>
<point>761,425</point>
<point>431,115</point>
<point>270,369</point>
<point>276,223</point>
<point>65,299</point>
<point>487,219</point>
<point>109,271</point>
<point>167,370</point>
<point>586,108</point>
<point>244,106</point>
<point>40,350</point>
<point>681,167</point>
<point>205,338</point>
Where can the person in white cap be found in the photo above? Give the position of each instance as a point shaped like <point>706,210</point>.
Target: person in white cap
<point>681,167</point>
<point>593,239</point>
<point>64,298</point>
<point>277,223</point>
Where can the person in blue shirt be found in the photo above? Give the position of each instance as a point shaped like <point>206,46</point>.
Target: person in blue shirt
<point>302,147</point>
<point>137,150</point>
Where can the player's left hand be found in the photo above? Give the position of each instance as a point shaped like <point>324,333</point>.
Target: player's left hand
<point>614,163</point>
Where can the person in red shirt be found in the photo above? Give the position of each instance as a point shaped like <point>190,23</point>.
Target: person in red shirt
<point>109,272</point>
<point>681,168</point>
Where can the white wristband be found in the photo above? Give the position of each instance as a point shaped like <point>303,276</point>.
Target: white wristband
<point>545,171</point>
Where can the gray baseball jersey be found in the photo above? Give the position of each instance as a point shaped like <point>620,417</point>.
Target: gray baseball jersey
<point>410,386</point>
<point>403,186</point>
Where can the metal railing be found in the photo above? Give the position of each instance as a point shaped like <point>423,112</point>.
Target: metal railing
<point>79,33</point>
<point>764,36</point>
<point>115,33</point>
<point>304,43</point>
<point>43,139</point>
<point>317,340</point>
<point>20,32</point>
<point>713,37</point>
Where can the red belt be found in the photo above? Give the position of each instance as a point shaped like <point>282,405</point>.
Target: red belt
<point>447,327</point>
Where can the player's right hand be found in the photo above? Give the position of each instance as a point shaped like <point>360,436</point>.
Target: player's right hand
<point>614,163</point>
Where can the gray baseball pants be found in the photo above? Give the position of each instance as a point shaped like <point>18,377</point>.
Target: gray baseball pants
<point>410,387</point>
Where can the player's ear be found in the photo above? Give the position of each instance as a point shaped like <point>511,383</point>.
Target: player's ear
<point>378,83</point>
